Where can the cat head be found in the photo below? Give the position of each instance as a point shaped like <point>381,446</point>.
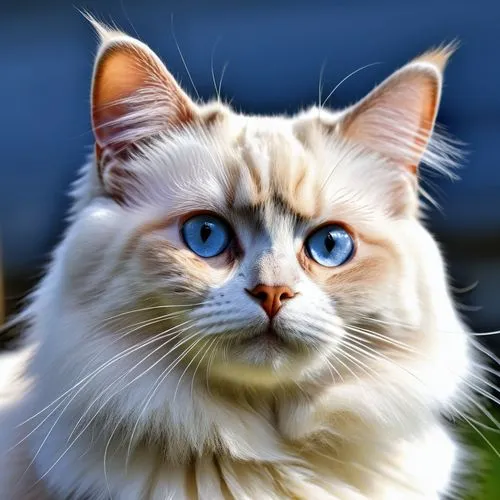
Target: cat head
<point>268,249</point>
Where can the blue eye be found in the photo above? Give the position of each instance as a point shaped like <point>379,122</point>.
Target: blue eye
<point>206,235</point>
<point>330,246</point>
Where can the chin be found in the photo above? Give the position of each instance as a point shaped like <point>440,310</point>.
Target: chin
<point>266,358</point>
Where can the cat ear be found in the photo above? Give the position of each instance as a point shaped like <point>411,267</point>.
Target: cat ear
<point>133,98</point>
<point>397,118</point>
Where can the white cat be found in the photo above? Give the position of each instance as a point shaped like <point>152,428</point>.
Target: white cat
<point>242,307</point>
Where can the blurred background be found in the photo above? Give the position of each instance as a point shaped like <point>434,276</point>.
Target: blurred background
<point>272,52</point>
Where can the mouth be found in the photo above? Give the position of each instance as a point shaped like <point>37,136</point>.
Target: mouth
<point>266,346</point>
<point>268,337</point>
<point>270,334</point>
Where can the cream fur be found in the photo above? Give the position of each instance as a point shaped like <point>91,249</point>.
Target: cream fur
<point>106,408</point>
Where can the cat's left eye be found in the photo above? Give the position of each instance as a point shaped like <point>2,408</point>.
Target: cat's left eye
<point>206,235</point>
<point>330,246</point>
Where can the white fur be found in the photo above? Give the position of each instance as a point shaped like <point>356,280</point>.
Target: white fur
<point>111,413</point>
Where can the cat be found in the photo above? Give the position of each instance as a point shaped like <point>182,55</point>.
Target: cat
<point>243,306</point>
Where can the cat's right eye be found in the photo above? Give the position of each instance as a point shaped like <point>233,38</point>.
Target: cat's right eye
<point>206,235</point>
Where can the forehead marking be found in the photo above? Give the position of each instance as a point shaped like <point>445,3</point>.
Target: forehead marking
<point>275,168</point>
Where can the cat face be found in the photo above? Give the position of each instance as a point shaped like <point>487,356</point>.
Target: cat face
<point>273,255</point>
<point>262,245</point>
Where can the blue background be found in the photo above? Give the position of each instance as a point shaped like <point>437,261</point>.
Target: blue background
<point>274,50</point>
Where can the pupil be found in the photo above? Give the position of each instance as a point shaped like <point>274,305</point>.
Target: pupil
<point>205,232</point>
<point>329,243</point>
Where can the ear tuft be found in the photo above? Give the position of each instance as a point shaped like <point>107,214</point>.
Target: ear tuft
<point>104,32</point>
<point>438,57</point>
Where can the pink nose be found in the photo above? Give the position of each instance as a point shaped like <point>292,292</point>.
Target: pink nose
<point>271,298</point>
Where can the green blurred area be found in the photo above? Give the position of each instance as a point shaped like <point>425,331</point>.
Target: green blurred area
<point>485,482</point>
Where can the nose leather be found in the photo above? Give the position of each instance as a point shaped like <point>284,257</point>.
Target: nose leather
<point>271,298</point>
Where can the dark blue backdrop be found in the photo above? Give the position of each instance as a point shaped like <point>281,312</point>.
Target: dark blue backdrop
<point>274,50</point>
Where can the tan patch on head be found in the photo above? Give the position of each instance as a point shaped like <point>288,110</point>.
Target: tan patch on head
<point>256,182</point>
<point>272,164</point>
<point>293,178</point>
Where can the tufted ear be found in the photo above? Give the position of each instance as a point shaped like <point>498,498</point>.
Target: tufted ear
<point>133,98</point>
<point>397,118</point>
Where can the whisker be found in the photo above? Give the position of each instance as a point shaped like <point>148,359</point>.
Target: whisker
<point>220,340</point>
<point>77,437</point>
<point>186,368</point>
<point>212,69</point>
<point>182,57</point>
<point>130,370</point>
<point>483,410</point>
<point>127,17</point>
<point>412,327</point>
<point>483,334</point>
<point>473,386</point>
<point>91,375</point>
<point>389,323</point>
<point>379,336</point>
<point>155,387</point>
<point>485,381</point>
<point>354,344</point>
<point>472,422</point>
<point>57,420</point>
<point>485,439</point>
<point>223,72</point>
<point>329,364</point>
<point>152,308</point>
<point>320,87</point>
<point>105,457</point>
<point>485,351</point>
<point>373,354</point>
<point>65,395</point>
<point>200,361</point>
<point>487,368</point>
<point>135,327</point>
<point>357,362</point>
<point>346,78</point>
